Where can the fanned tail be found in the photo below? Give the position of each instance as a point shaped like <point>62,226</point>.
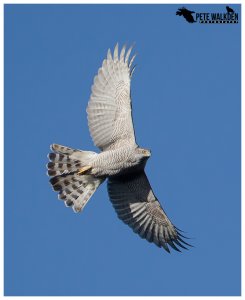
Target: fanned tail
<point>74,189</point>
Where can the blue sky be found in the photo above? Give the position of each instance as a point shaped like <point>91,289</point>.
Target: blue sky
<point>186,100</point>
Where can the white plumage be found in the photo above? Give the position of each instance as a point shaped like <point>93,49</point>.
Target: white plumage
<point>77,174</point>
<point>109,108</point>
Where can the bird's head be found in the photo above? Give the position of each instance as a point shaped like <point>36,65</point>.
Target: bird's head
<point>143,153</point>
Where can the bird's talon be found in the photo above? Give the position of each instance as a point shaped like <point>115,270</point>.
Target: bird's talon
<point>83,170</point>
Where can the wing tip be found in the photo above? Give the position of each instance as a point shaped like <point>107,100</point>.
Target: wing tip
<point>123,55</point>
<point>174,241</point>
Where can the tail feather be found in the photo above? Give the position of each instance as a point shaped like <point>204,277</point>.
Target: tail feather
<point>66,153</point>
<point>73,188</point>
<point>76,190</point>
<point>55,169</point>
<point>55,157</point>
<point>64,160</point>
<point>62,149</point>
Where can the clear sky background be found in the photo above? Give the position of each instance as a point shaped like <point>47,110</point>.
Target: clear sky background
<point>186,101</point>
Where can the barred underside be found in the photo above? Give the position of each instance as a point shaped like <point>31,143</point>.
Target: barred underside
<point>73,188</point>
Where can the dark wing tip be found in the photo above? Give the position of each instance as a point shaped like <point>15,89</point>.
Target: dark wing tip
<point>177,240</point>
<point>180,239</point>
<point>165,246</point>
<point>171,244</point>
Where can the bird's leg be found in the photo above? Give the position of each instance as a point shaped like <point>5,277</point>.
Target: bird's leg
<point>83,170</point>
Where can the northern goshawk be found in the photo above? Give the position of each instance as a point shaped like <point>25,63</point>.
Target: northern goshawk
<point>76,174</point>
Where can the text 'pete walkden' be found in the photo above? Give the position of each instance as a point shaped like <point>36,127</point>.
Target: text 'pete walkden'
<point>217,17</point>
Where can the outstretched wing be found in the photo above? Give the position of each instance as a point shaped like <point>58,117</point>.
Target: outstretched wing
<point>137,206</point>
<point>109,108</point>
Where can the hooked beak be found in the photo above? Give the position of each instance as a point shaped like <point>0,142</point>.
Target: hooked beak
<point>147,153</point>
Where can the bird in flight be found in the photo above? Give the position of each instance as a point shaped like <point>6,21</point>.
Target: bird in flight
<point>187,14</point>
<point>76,174</point>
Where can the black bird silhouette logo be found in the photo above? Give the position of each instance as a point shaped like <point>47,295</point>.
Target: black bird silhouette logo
<point>229,9</point>
<point>187,14</point>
